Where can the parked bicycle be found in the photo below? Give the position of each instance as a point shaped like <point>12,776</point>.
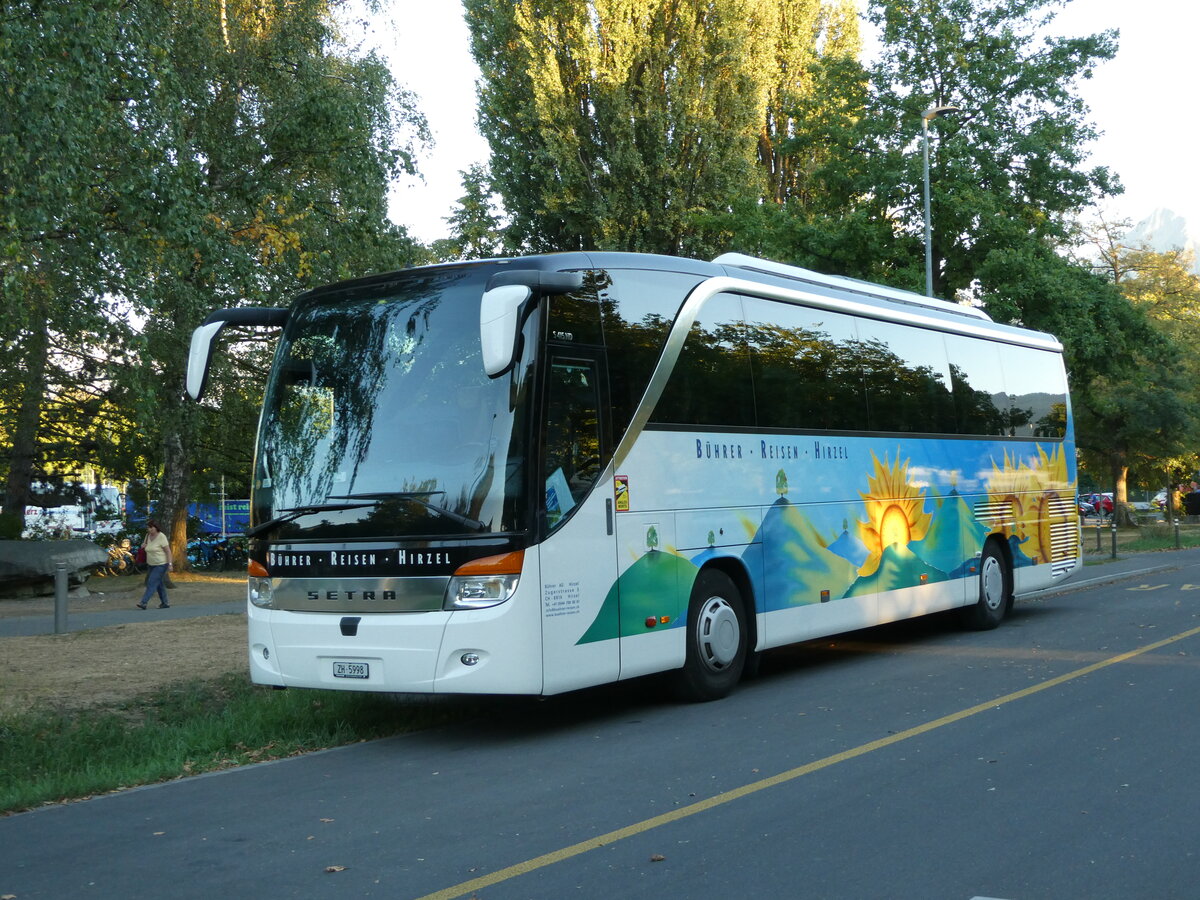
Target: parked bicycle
<point>121,561</point>
<point>217,555</point>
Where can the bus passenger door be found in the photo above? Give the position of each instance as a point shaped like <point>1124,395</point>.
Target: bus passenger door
<point>578,560</point>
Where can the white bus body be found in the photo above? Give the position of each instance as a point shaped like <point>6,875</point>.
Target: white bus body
<point>533,475</point>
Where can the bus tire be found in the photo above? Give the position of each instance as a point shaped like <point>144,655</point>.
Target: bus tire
<point>716,639</point>
<point>995,590</point>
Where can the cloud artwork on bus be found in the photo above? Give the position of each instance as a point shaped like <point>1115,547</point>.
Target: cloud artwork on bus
<point>905,531</point>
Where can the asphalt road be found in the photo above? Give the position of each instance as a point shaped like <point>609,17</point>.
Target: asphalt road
<point>1052,758</point>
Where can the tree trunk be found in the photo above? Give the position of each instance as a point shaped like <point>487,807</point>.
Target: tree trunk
<point>1121,508</point>
<point>17,489</point>
<point>173,501</point>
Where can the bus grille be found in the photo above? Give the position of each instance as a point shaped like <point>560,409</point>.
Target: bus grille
<point>1064,535</point>
<point>995,513</point>
<point>1064,528</point>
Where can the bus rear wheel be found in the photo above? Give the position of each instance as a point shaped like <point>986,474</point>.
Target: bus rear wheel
<point>716,639</point>
<point>995,590</point>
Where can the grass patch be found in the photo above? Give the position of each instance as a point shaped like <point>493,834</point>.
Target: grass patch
<point>1146,538</point>
<point>57,755</point>
<point>1159,537</point>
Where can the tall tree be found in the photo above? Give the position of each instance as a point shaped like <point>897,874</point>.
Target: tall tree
<point>812,41</point>
<point>73,144</point>
<point>475,231</point>
<point>1008,168</point>
<point>281,147</point>
<point>182,156</point>
<point>637,125</point>
<point>1144,423</point>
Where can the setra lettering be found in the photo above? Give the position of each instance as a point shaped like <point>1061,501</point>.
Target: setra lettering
<point>338,596</point>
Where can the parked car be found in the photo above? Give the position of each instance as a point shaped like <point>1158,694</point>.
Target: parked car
<point>1096,504</point>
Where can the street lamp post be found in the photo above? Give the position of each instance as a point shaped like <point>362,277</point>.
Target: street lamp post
<point>932,113</point>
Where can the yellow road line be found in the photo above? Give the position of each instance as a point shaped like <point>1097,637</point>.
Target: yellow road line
<point>683,812</point>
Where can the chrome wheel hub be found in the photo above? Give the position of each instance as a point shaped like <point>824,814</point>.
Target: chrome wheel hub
<point>718,633</point>
<point>991,582</point>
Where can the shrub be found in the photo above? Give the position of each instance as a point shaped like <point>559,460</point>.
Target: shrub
<point>11,526</point>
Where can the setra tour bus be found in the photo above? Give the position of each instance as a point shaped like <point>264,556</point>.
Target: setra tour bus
<point>537,474</point>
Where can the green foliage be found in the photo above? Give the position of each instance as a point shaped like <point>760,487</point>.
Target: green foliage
<point>1137,415</point>
<point>1008,168</point>
<point>179,157</point>
<point>1007,172</point>
<point>70,167</point>
<point>642,126</point>
<point>11,526</point>
<point>475,231</point>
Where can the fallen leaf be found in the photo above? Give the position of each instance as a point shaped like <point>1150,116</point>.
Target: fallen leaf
<point>657,857</point>
<point>327,820</point>
<point>335,868</point>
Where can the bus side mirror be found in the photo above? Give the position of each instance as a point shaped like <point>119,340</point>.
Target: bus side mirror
<point>499,326</point>
<point>199,356</point>
<point>200,351</point>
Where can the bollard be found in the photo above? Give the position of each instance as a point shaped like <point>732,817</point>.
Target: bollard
<point>60,598</point>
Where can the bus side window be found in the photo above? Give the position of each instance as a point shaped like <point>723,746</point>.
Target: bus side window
<point>572,448</point>
<point>806,374</point>
<point>711,383</point>
<point>908,378</point>
<point>980,400</point>
<point>1037,390</point>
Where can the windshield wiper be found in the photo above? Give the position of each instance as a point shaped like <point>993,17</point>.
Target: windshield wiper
<point>417,497</point>
<point>307,510</point>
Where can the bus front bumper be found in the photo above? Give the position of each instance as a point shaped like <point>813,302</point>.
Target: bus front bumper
<point>461,652</point>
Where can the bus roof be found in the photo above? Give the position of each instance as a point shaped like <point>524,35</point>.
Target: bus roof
<point>852,285</point>
<point>737,265</point>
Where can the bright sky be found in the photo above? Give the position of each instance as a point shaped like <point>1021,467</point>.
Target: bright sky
<point>1141,101</point>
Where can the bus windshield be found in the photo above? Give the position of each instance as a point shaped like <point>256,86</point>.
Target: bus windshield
<point>379,420</point>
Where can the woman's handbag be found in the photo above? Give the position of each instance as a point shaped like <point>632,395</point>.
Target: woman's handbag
<point>140,557</point>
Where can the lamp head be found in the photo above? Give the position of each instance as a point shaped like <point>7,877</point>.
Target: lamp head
<point>934,111</point>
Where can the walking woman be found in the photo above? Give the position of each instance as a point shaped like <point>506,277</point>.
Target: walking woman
<point>158,557</point>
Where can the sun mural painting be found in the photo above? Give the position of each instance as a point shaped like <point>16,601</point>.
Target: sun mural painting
<point>1035,494</point>
<point>895,511</point>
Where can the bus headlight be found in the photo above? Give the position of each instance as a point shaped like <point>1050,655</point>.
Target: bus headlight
<point>260,592</point>
<point>479,591</point>
<point>484,582</point>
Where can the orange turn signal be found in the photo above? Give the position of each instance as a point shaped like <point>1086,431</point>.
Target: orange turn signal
<point>504,564</point>
<point>258,570</point>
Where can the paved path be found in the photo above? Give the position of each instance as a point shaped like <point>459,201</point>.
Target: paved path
<point>1050,758</point>
<point>100,608</point>
<point>18,626</point>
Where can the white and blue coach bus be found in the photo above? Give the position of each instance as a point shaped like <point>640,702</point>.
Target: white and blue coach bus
<point>532,475</point>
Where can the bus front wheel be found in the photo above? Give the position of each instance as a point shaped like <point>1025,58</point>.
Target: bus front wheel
<point>995,590</point>
<point>716,639</point>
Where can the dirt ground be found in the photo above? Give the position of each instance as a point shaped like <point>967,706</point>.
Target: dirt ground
<point>118,662</point>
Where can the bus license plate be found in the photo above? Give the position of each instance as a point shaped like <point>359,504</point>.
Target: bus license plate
<point>351,670</point>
